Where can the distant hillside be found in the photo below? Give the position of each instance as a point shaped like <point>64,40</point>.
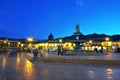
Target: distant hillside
<point>94,36</point>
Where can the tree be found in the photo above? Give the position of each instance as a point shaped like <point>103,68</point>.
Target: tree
<point>50,37</point>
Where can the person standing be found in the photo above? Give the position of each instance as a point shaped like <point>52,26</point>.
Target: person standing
<point>48,50</point>
<point>40,53</point>
<point>35,53</point>
<point>96,50</point>
<point>11,52</point>
<point>101,50</point>
<point>59,51</point>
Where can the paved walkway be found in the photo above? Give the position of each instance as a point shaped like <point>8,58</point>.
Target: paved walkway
<point>20,68</point>
<point>97,59</point>
<point>87,56</point>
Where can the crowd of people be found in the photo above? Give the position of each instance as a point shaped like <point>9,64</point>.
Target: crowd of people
<point>38,52</point>
<point>61,51</point>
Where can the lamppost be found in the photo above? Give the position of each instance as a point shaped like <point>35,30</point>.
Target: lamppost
<point>107,39</point>
<point>60,41</point>
<point>90,43</point>
<point>5,44</point>
<point>30,40</point>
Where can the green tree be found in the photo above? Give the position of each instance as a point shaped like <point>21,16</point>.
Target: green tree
<point>50,37</point>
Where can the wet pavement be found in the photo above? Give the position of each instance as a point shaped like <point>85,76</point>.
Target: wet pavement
<point>19,68</point>
<point>86,56</point>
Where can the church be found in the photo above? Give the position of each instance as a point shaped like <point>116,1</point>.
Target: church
<point>77,41</point>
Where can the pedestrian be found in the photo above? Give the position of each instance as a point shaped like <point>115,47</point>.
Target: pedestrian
<point>58,51</point>
<point>11,52</point>
<point>48,50</point>
<point>35,53</point>
<point>40,53</point>
<point>96,50</point>
<point>64,50</point>
<point>101,50</point>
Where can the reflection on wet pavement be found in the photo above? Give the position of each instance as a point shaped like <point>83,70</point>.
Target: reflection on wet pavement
<point>109,73</point>
<point>28,70</point>
<point>17,61</point>
<point>19,68</point>
<point>4,62</point>
<point>91,74</point>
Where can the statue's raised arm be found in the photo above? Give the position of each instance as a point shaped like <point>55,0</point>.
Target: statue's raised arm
<point>77,29</point>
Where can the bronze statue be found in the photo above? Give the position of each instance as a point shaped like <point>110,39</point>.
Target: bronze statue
<point>77,29</point>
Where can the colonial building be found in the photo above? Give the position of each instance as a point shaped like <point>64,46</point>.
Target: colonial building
<point>6,44</point>
<point>78,41</point>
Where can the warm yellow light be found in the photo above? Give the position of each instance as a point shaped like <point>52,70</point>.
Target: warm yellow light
<point>28,69</point>
<point>46,44</point>
<point>60,40</point>
<point>106,43</point>
<point>90,41</point>
<point>74,45</point>
<point>5,41</point>
<point>4,62</point>
<point>22,45</point>
<point>52,45</point>
<point>103,43</point>
<point>107,38</point>
<point>29,45</point>
<point>30,39</point>
<point>55,45</point>
<point>69,44</point>
<point>109,43</point>
<point>18,42</point>
<point>18,60</point>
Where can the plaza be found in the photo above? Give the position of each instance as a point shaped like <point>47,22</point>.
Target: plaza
<point>21,68</point>
<point>59,40</point>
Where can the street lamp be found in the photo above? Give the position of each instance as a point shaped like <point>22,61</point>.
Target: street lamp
<point>60,41</point>
<point>5,44</point>
<point>30,40</point>
<point>107,39</point>
<point>90,43</point>
<point>18,44</point>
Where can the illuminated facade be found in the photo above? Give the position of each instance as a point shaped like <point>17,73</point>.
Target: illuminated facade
<point>80,42</point>
<point>77,41</point>
<point>6,44</point>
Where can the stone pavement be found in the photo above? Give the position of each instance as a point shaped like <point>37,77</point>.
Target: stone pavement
<point>111,58</point>
<point>87,56</point>
<point>20,68</point>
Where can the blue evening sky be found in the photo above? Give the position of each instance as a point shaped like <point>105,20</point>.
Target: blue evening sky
<point>39,18</point>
